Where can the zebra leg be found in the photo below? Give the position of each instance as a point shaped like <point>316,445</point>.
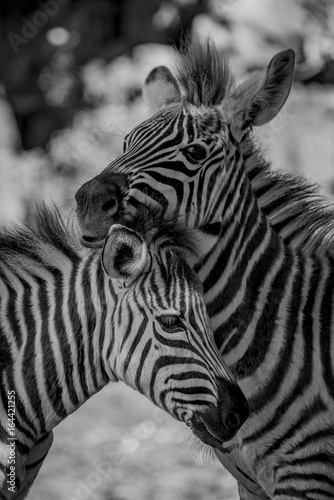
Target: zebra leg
<point>34,462</point>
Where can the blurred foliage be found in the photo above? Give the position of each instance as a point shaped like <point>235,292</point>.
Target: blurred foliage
<point>46,44</point>
<point>71,87</point>
<point>69,92</point>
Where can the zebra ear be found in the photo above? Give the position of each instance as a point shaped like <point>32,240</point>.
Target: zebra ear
<point>124,254</point>
<point>259,99</point>
<point>161,89</point>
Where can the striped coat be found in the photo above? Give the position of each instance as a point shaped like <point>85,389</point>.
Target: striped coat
<point>266,265</point>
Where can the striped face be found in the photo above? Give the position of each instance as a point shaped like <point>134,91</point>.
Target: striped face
<point>167,161</point>
<point>163,345</point>
<point>179,157</point>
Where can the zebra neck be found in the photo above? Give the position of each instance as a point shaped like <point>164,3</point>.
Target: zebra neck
<point>246,257</point>
<point>54,334</point>
<point>263,297</point>
<point>296,209</point>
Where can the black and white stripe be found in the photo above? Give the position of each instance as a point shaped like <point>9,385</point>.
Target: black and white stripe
<point>267,268</point>
<point>67,329</point>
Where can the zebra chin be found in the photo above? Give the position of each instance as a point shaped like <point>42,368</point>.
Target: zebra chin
<point>212,429</point>
<point>220,422</point>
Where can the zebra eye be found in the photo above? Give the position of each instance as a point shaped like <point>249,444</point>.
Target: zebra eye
<point>170,322</point>
<point>195,153</point>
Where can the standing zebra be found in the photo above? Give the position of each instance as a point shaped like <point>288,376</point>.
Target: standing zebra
<point>269,276</point>
<point>70,323</point>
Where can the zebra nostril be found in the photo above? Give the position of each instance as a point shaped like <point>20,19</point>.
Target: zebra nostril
<point>232,421</point>
<point>108,205</point>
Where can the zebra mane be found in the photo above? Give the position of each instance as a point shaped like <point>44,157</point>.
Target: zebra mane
<point>50,239</point>
<point>162,230</point>
<point>203,73</point>
<point>45,241</point>
<point>308,215</point>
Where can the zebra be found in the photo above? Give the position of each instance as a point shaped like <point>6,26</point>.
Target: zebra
<point>268,270</point>
<point>72,320</point>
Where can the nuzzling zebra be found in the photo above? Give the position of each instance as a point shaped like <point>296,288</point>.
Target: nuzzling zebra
<point>71,323</point>
<point>268,272</point>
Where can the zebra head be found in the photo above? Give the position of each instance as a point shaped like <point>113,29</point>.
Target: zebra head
<point>167,350</point>
<point>181,158</point>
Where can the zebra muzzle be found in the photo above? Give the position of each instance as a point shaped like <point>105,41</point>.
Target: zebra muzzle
<point>99,206</point>
<point>214,427</point>
<point>217,424</point>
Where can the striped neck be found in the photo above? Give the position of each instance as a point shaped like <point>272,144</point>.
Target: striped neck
<point>230,191</point>
<point>246,257</point>
<point>56,355</point>
<point>261,295</point>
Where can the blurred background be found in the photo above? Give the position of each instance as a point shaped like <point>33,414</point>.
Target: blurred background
<point>70,88</point>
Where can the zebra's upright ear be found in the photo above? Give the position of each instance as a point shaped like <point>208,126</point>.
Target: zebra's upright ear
<point>161,89</point>
<point>124,254</point>
<point>259,99</point>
